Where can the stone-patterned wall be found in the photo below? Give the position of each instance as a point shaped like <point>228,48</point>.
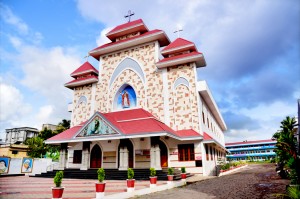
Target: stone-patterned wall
<point>81,112</point>
<point>183,115</point>
<point>182,101</point>
<point>149,97</point>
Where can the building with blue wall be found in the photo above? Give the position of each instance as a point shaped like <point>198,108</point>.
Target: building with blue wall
<point>251,150</point>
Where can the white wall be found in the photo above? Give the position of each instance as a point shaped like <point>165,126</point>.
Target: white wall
<point>39,165</point>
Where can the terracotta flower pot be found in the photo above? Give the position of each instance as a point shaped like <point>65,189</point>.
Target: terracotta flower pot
<point>183,176</point>
<point>153,180</point>
<point>57,192</point>
<point>170,177</point>
<point>100,187</point>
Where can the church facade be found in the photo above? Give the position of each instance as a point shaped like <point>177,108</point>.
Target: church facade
<point>143,107</point>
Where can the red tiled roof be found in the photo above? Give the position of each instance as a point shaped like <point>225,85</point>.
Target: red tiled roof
<point>146,37</point>
<point>68,134</point>
<point>179,42</point>
<point>81,81</point>
<point>125,40</point>
<point>137,25</point>
<point>207,137</point>
<point>131,122</point>
<point>83,69</point>
<point>179,57</point>
<point>249,142</point>
<point>187,133</point>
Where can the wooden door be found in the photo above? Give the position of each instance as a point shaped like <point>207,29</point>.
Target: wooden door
<point>96,157</point>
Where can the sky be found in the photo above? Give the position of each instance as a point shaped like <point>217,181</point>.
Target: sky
<point>251,47</point>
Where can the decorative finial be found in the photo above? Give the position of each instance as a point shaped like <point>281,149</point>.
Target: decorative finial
<point>129,15</point>
<point>177,31</point>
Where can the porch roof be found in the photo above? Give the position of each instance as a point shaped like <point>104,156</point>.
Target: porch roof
<point>128,124</point>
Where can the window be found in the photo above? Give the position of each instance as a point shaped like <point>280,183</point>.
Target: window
<point>14,152</point>
<point>186,152</point>
<point>77,156</point>
<point>211,156</point>
<point>203,117</point>
<point>206,152</point>
<point>207,122</point>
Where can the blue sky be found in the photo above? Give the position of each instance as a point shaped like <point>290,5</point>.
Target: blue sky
<point>252,50</point>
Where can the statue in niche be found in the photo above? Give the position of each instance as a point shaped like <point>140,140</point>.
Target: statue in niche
<point>125,100</point>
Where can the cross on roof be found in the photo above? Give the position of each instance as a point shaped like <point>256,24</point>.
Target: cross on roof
<point>177,31</point>
<point>129,15</point>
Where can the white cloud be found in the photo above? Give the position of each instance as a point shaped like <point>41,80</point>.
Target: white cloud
<point>102,39</point>
<point>8,17</point>
<point>45,112</point>
<point>15,41</point>
<point>12,105</point>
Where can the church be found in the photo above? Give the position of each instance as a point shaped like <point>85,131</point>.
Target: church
<point>142,106</point>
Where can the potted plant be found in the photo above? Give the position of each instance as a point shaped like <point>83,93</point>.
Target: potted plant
<point>170,174</point>
<point>130,180</point>
<point>183,173</point>
<point>57,191</point>
<point>100,186</point>
<point>153,177</point>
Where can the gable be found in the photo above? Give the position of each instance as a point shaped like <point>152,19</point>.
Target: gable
<point>98,126</point>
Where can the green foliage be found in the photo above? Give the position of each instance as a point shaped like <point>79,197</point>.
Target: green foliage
<point>183,170</point>
<point>130,173</point>
<point>170,171</point>
<point>286,150</point>
<point>62,126</point>
<point>101,174</point>
<point>291,192</point>
<point>58,178</point>
<point>36,147</point>
<point>152,172</point>
<point>225,166</point>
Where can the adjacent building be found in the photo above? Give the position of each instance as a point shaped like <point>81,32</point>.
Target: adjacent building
<point>20,134</point>
<point>142,107</point>
<point>251,150</point>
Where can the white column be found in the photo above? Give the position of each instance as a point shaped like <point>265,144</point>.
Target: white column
<point>157,158</point>
<point>152,156</point>
<point>125,160</point>
<point>62,159</point>
<point>85,159</point>
<point>121,154</point>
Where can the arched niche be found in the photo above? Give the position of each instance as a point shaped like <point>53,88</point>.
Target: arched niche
<point>125,98</point>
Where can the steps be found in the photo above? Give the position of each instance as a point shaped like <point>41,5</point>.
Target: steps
<point>111,174</point>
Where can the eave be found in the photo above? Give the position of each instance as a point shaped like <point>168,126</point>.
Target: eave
<point>79,82</point>
<point>205,93</point>
<point>158,35</point>
<point>167,62</point>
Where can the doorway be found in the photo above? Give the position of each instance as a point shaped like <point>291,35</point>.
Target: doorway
<point>96,157</point>
<point>126,143</point>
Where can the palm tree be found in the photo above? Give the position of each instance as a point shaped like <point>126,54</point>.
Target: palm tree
<point>286,147</point>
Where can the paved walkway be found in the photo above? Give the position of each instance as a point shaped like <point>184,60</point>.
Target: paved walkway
<point>37,188</point>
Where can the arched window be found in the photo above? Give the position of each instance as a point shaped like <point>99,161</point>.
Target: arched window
<point>125,98</point>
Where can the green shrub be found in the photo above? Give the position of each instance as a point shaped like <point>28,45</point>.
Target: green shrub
<point>152,172</point>
<point>101,174</point>
<point>182,169</point>
<point>170,171</point>
<point>130,173</point>
<point>58,178</point>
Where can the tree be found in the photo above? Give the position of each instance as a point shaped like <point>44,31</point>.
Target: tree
<point>62,126</point>
<point>37,147</point>
<point>286,148</point>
